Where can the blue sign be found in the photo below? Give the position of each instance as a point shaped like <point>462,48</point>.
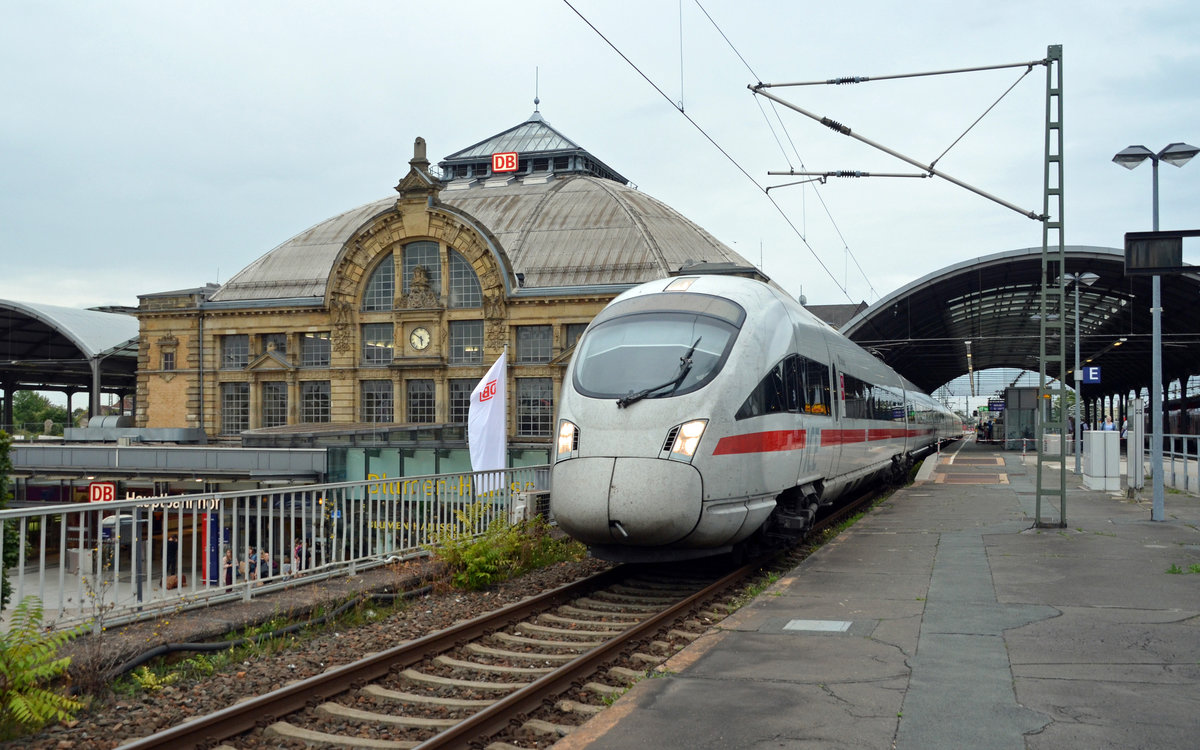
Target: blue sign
<point>1091,374</point>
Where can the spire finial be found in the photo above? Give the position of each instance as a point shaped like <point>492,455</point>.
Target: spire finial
<point>536,100</point>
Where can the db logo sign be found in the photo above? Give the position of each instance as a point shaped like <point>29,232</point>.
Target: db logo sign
<point>101,492</point>
<point>506,162</point>
<point>488,391</point>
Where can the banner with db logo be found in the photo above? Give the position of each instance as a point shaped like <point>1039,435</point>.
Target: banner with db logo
<point>487,425</point>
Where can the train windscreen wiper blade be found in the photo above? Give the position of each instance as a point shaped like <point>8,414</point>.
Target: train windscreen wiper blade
<point>685,366</point>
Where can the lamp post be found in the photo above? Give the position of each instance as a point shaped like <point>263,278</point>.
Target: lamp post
<point>1087,278</point>
<point>1177,154</point>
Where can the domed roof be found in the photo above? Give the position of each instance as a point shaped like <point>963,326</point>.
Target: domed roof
<point>570,231</point>
<point>566,220</point>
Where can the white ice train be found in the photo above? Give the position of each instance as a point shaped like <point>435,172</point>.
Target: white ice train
<point>702,414</point>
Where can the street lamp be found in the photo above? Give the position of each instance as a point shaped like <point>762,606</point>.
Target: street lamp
<point>1087,278</point>
<point>1177,154</point>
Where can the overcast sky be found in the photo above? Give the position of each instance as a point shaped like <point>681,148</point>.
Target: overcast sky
<point>156,145</point>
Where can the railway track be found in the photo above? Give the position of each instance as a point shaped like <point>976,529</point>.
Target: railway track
<point>457,686</point>
<point>485,677</point>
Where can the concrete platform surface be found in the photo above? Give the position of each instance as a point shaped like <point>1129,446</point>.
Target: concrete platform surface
<point>945,619</point>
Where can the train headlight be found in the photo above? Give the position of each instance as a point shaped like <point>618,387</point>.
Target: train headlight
<point>687,439</point>
<point>568,440</point>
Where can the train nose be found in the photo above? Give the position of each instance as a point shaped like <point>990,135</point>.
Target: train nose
<point>634,501</point>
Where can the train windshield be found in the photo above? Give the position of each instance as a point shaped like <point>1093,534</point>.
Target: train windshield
<point>652,355</point>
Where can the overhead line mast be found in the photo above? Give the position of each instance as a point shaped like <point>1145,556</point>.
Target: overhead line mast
<point>1052,332</point>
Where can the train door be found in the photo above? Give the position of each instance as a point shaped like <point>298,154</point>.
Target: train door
<point>820,406</point>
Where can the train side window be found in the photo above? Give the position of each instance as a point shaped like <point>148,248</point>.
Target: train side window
<point>856,397</point>
<point>767,397</point>
<point>795,385</point>
<point>816,387</point>
<point>889,404</point>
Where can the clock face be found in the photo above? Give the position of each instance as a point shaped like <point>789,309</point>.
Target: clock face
<point>419,338</point>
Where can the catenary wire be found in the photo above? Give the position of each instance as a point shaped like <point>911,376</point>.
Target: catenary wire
<point>710,139</point>
<point>792,143</point>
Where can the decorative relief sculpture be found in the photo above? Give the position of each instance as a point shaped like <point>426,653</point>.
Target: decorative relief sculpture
<point>342,335</point>
<point>420,292</point>
<point>493,306</point>
<point>497,334</point>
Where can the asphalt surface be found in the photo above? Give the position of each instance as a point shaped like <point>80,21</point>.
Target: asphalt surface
<point>945,619</point>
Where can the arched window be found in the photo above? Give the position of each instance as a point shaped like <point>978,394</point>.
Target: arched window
<point>423,254</point>
<point>464,284</point>
<point>381,287</point>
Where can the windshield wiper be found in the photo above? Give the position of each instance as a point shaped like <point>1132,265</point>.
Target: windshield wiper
<point>685,366</point>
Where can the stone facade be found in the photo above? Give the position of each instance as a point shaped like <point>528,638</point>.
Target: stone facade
<point>227,368</point>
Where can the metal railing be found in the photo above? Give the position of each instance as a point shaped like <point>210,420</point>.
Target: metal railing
<point>116,562</point>
<point>1181,462</point>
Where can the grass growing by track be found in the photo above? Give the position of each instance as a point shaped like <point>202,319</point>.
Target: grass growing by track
<point>263,640</point>
<point>504,550</point>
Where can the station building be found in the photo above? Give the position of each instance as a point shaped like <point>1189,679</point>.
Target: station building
<point>366,333</point>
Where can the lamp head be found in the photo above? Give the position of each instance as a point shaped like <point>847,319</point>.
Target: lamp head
<point>1178,154</point>
<point>1133,156</point>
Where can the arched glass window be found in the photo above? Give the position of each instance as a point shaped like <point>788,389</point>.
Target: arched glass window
<point>381,287</point>
<point>425,255</point>
<point>464,284</point>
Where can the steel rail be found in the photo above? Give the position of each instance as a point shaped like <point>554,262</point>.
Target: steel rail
<point>495,718</point>
<point>206,731</point>
<point>477,729</point>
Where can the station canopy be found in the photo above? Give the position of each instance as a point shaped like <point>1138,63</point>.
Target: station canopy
<point>51,348</point>
<point>990,308</point>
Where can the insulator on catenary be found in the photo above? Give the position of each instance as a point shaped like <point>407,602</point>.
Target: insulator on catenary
<point>835,125</point>
<point>848,79</point>
<point>851,173</point>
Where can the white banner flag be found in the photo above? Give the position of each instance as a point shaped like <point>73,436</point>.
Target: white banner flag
<point>487,425</point>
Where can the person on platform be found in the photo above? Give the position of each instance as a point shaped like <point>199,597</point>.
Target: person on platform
<point>1108,424</point>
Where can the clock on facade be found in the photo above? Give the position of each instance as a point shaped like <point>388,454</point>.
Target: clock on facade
<point>419,338</point>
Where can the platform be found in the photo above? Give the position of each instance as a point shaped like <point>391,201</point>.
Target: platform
<point>943,620</point>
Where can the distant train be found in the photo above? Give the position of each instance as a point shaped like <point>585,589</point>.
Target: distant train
<point>1179,421</point>
<point>704,414</point>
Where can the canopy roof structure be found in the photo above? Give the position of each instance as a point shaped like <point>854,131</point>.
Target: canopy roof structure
<point>987,311</point>
<point>51,348</point>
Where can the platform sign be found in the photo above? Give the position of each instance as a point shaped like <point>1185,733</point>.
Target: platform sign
<point>995,404</point>
<point>102,492</point>
<point>1156,253</point>
<point>1091,374</point>
<point>505,162</point>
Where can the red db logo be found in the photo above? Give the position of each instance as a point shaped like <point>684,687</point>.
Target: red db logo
<point>506,162</point>
<point>102,492</point>
<point>488,391</point>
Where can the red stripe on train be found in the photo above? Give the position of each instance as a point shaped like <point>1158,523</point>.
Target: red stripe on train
<point>843,437</point>
<point>761,442</point>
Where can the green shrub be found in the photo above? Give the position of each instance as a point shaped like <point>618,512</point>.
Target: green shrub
<point>28,664</point>
<point>12,539</point>
<point>501,552</point>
